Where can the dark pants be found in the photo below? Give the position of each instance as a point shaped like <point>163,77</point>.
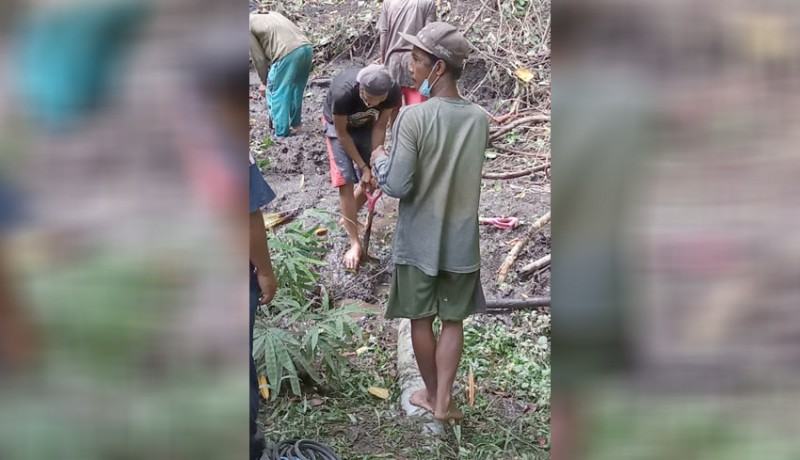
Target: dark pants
<point>256,443</point>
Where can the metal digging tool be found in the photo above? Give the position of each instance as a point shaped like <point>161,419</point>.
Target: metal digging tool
<point>371,200</point>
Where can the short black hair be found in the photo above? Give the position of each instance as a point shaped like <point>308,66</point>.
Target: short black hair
<point>449,68</point>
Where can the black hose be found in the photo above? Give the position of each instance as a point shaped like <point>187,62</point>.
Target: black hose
<point>299,449</point>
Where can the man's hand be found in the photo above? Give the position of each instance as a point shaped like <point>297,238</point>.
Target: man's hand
<point>269,286</point>
<point>366,178</point>
<point>262,89</point>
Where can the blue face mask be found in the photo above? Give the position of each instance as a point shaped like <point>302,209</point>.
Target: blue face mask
<point>426,87</point>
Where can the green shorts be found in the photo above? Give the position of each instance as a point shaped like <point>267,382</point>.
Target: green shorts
<point>451,296</point>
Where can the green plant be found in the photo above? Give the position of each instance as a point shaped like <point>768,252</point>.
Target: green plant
<point>266,142</point>
<point>516,360</point>
<point>301,337</point>
<point>295,252</point>
<point>305,332</point>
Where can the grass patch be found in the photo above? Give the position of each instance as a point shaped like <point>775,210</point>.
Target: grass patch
<point>507,420</point>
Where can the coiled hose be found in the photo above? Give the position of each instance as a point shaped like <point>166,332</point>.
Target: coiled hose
<point>299,449</point>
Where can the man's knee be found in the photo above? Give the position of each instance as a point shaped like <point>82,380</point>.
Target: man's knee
<point>346,190</point>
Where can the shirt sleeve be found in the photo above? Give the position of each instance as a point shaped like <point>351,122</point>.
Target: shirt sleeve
<point>260,61</point>
<point>261,193</point>
<point>383,27</point>
<point>431,16</point>
<point>342,103</point>
<point>383,31</point>
<point>395,174</point>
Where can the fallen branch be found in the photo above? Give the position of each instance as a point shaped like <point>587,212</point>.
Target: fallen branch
<point>535,266</point>
<point>491,117</point>
<point>519,152</point>
<point>507,128</point>
<point>516,174</point>
<point>320,82</point>
<point>513,114</point>
<point>512,256</point>
<point>495,306</point>
<point>369,53</point>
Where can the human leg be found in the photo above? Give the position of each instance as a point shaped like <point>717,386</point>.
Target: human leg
<point>347,202</point>
<point>301,68</point>
<point>424,344</point>
<point>413,295</point>
<point>279,92</point>
<point>448,357</point>
<point>458,298</point>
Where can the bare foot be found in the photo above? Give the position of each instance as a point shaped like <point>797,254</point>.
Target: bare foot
<point>352,257</point>
<point>421,399</point>
<point>452,414</point>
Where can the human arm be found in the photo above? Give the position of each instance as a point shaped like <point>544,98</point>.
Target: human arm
<point>431,16</point>
<point>340,124</point>
<point>395,172</point>
<point>379,128</point>
<point>260,258</point>
<point>393,103</point>
<point>383,31</point>
<point>260,60</point>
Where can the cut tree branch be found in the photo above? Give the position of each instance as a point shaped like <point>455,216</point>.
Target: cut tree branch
<point>512,256</point>
<point>511,115</point>
<point>495,306</point>
<point>516,174</point>
<point>522,121</point>
<point>519,152</point>
<point>534,266</point>
<point>320,82</point>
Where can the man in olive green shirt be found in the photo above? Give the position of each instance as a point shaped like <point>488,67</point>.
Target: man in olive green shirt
<point>435,169</point>
<point>278,44</point>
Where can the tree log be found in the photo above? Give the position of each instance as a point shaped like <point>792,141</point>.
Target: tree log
<point>495,306</point>
<point>534,266</point>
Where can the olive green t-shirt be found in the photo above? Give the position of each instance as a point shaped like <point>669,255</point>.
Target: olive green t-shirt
<point>435,169</point>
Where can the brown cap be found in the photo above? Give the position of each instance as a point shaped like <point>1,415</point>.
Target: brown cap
<point>375,79</point>
<point>443,41</point>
